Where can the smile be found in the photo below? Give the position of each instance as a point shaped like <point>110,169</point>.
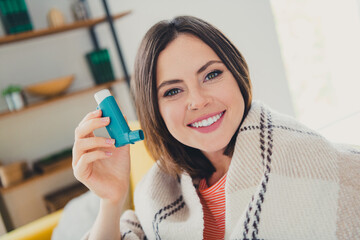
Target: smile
<point>207,122</point>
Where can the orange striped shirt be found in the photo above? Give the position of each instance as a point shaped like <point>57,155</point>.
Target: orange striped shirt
<point>213,202</point>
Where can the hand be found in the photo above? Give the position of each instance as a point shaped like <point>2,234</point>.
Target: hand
<point>104,169</point>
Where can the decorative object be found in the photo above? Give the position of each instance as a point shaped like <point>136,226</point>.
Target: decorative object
<point>12,173</point>
<point>54,161</point>
<point>14,97</point>
<point>81,10</point>
<point>14,16</point>
<point>60,198</point>
<point>55,18</point>
<point>100,66</point>
<point>51,87</point>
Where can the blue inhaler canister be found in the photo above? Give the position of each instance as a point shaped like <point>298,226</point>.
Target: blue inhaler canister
<point>117,128</point>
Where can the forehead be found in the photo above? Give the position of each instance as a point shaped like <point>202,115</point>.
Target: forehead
<point>184,55</point>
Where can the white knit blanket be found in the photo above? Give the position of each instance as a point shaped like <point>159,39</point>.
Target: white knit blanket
<point>285,181</point>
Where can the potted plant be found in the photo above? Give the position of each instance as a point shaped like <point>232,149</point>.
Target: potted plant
<point>14,97</point>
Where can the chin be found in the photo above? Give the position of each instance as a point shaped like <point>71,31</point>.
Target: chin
<point>213,148</point>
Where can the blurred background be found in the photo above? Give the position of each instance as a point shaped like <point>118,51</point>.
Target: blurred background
<point>319,42</point>
<point>303,58</point>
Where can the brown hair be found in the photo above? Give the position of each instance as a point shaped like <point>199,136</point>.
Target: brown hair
<point>175,157</point>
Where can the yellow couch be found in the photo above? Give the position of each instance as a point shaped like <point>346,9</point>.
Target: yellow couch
<point>41,229</point>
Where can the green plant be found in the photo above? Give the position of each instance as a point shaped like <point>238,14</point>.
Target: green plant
<point>11,89</point>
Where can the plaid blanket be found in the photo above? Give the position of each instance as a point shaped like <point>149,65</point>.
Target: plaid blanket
<point>285,181</point>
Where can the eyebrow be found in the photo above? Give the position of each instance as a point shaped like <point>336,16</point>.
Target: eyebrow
<point>169,82</point>
<point>203,68</point>
<point>206,65</point>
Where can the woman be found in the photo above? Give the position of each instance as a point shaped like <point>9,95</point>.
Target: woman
<point>228,167</point>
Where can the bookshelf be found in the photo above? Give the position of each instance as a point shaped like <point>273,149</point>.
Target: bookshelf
<point>62,97</point>
<point>14,213</point>
<point>66,164</point>
<point>8,39</point>
<point>48,31</point>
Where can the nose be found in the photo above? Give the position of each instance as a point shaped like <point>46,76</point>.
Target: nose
<point>197,99</point>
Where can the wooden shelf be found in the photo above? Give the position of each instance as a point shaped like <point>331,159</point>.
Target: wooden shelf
<point>61,97</point>
<point>49,31</point>
<point>67,164</point>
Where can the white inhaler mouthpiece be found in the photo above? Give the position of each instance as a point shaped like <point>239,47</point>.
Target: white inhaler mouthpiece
<point>101,95</point>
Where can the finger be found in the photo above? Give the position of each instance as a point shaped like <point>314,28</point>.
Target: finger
<point>95,114</point>
<point>82,169</point>
<point>87,127</point>
<point>90,115</point>
<point>84,145</point>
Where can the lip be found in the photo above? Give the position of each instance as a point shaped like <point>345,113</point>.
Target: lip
<point>205,117</point>
<point>212,127</point>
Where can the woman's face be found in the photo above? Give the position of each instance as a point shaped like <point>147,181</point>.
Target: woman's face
<point>199,99</point>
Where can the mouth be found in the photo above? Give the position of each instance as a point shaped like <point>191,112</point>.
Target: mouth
<point>208,121</point>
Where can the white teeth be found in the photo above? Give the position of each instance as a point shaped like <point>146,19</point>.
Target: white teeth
<point>207,122</point>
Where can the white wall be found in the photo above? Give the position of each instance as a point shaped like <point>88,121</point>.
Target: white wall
<point>36,133</point>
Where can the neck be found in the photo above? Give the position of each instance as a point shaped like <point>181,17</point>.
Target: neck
<point>221,164</point>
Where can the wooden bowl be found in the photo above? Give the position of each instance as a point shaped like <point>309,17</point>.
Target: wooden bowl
<point>51,87</point>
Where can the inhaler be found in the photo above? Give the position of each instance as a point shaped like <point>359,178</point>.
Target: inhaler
<point>118,129</point>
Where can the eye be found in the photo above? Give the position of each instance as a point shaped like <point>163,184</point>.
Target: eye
<point>172,92</point>
<point>212,75</point>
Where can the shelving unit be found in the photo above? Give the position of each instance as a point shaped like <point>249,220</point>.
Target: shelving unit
<point>61,97</point>
<point>48,31</point>
<point>37,186</point>
<point>37,177</point>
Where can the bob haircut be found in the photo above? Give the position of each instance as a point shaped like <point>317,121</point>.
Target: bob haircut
<point>175,157</point>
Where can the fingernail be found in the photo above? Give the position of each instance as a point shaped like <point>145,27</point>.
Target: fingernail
<point>96,111</point>
<point>110,141</point>
<point>105,119</point>
<point>108,153</point>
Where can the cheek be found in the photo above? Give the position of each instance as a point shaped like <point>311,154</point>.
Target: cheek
<point>231,94</point>
<point>172,116</point>
<point>232,97</point>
